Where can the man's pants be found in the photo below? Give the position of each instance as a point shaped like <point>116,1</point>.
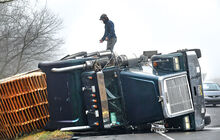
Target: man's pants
<point>111,43</point>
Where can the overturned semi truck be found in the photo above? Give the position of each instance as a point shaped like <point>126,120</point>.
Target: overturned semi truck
<point>101,90</point>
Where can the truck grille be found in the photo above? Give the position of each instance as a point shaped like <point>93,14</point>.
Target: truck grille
<point>178,99</point>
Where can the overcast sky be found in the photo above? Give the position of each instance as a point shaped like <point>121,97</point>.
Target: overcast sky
<point>140,25</point>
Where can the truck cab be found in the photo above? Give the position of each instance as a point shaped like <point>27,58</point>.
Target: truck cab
<point>104,91</point>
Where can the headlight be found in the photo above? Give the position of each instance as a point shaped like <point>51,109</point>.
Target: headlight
<point>176,63</point>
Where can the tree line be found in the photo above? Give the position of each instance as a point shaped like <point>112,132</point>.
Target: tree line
<point>28,35</point>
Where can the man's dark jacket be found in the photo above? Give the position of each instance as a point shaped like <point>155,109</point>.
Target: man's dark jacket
<point>109,30</point>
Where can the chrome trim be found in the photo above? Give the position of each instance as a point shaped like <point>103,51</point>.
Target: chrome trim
<point>64,69</point>
<point>103,98</point>
<point>105,53</point>
<point>76,128</point>
<point>162,90</point>
<point>93,89</point>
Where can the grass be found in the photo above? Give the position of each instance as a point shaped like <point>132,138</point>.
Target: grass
<point>47,135</point>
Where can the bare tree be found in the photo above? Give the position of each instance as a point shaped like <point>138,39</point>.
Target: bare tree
<point>4,1</point>
<point>27,36</point>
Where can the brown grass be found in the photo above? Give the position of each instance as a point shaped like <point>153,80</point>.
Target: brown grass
<point>47,135</point>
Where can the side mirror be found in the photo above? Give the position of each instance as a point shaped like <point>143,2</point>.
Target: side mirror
<point>197,51</point>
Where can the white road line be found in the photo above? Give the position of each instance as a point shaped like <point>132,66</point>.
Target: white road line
<point>208,128</point>
<point>212,128</point>
<point>162,134</point>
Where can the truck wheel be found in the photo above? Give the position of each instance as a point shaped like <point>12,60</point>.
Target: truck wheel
<point>207,119</point>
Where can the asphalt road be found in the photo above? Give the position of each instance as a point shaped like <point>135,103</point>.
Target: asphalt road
<point>211,132</point>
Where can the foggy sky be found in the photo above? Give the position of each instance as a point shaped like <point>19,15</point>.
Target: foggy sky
<point>142,25</point>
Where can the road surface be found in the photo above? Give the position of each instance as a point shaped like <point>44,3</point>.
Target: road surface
<point>211,132</point>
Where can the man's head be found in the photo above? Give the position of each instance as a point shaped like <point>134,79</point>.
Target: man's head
<point>104,18</point>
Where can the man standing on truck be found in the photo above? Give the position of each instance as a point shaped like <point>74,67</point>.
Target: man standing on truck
<point>109,34</point>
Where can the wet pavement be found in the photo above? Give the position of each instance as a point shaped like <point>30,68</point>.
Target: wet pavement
<point>211,132</point>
